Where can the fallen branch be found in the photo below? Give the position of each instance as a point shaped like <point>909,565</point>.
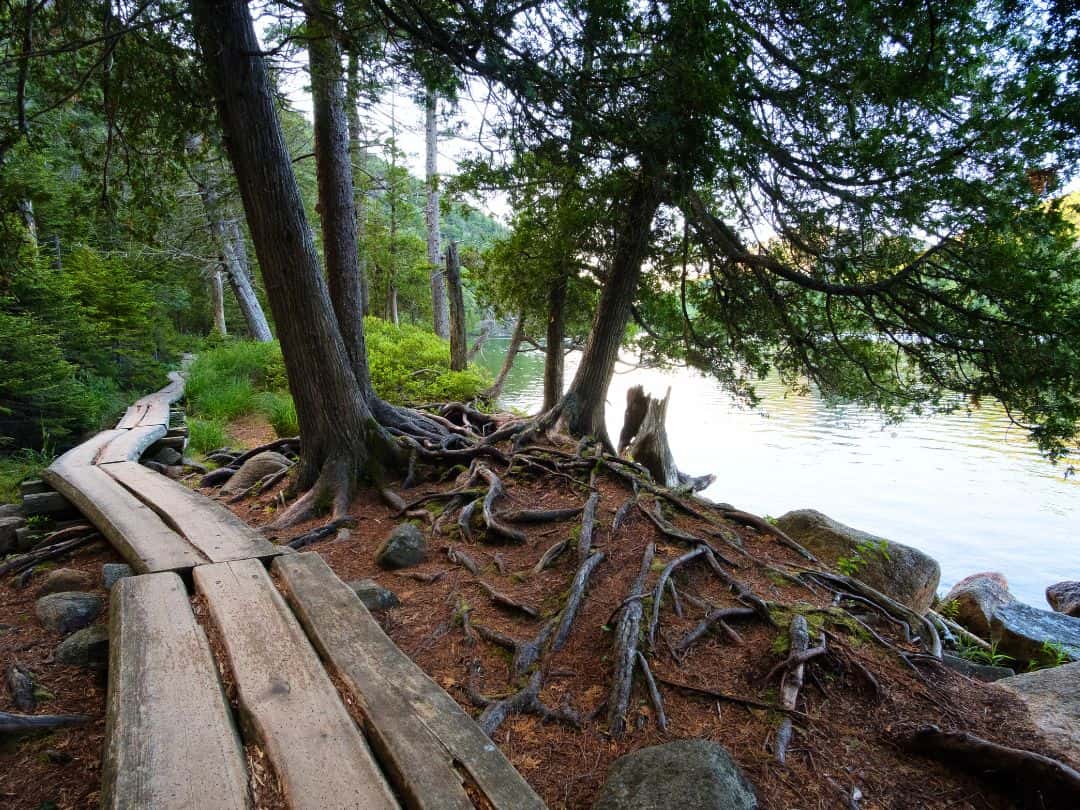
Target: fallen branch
<point>38,555</point>
<point>321,533</point>
<point>32,723</point>
<point>716,695</point>
<point>502,599</point>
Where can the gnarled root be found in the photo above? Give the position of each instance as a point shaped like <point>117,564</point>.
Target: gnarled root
<point>627,631</point>
<point>525,701</point>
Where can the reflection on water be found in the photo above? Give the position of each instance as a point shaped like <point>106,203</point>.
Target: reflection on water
<point>967,488</point>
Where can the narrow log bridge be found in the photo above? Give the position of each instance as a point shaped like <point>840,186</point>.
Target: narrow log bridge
<point>299,649</point>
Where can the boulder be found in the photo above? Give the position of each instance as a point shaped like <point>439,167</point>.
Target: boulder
<point>1023,631</point>
<point>70,611</point>
<point>687,774</point>
<point>899,571</point>
<point>9,527</point>
<point>405,546</point>
<point>1064,597</point>
<point>168,457</point>
<point>111,572</point>
<point>980,672</point>
<point>1053,698</point>
<point>254,470</point>
<point>88,648</point>
<point>976,597</point>
<point>373,595</point>
<point>10,510</point>
<point>65,579</point>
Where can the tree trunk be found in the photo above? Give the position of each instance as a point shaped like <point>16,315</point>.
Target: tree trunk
<point>217,297</point>
<point>508,362</point>
<point>644,439</point>
<point>239,275</point>
<point>458,345</point>
<point>391,303</point>
<point>341,437</point>
<point>440,317</point>
<point>358,158</point>
<point>581,409</point>
<point>556,332</point>
<point>334,171</point>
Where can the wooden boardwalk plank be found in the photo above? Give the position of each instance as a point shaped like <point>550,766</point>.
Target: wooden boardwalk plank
<point>207,525</point>
<point>153,409</point>
<point>170,741</point>
<point>286,696</point>
<point>418,729</point>
<point>131,526</point>
<point>130,444</point>
<point>85,454</point>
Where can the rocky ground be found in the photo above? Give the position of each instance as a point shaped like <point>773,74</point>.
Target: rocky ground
<point>465,603</point>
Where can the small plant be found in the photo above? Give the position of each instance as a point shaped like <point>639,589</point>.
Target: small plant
<point>37,521</point>
<point>205,434</point>
<point>980,655</point>
<point>849,566</point>
<point>1053,654</point>
<point>950,610</point>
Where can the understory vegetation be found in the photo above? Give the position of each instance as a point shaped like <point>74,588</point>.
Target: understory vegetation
<point>238,378</point>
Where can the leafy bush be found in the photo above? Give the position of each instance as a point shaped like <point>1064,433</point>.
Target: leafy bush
<point>280,412</point>
<point>410,365</point>
<point>205,435</point>
<point>17,468</point>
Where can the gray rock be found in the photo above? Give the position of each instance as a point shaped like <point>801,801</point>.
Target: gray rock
<point>405,546</point>
<point>64,579</point>
<point>980,672</point>
<point>1021,631</point>
<point>254,470</point>
<point>10,510</point>
<point>1064,597</point>
<point>111,572</point>
<point>976,597</point>
<point>687,774</point>
<point>67,612</point>
<point>899,571</point>
<point>9,526</point>
<point>26,538</point>
<point>373,595</point>
<point>88,648</point>
<point>168,457</point>
<point>1053,698</point>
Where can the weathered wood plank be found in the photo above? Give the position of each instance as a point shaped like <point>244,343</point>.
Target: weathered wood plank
<point>85,454</point>
<point>153,409</point>
<point>207,525</point>
<point>287,699</point>
<point>410,719</point>
<point>130,444</point>
<point>170,741</point>
<point>131,526</point>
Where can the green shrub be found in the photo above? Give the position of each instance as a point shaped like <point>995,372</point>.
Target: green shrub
<point>205,435</point>
<point>280,411</point>
<point>17,468</point>
<point>410,365</point>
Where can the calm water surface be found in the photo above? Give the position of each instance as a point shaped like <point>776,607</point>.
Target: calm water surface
<point>967,488</point>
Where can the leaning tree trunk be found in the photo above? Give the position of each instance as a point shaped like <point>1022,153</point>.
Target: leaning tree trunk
<point>556,333</point>
<point>335,420</point>
<point>217,301</point>
<point>458,346</point>
<point>439,313</point>
<point>358,159</point>
<point>581,410</point>
<point>336,204</point>
<point>239,275</point>
<point>508,361</point>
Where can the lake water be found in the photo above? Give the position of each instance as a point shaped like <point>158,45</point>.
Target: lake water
<point>966,488</point>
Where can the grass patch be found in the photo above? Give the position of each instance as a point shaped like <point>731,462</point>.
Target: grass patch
<point>19,466</point>
<point>205,435</point>
<point>280,411</point>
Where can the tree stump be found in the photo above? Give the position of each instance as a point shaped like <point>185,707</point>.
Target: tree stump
<point>644,439</point>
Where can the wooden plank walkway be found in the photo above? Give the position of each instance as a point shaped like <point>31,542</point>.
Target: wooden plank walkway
<point>419,731</point>
<point>170,738</point>
<point>288,701</point>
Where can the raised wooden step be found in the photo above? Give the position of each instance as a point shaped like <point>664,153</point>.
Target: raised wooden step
<point>170,740</point>
<point>418,730</point>
<point>288,700</point>
<point>211,528</point>
<point>132,527</point>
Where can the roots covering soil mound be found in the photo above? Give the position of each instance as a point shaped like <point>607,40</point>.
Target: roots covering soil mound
<point>858,699</point>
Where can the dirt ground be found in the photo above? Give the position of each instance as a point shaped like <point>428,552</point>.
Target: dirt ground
<point>845,731</point>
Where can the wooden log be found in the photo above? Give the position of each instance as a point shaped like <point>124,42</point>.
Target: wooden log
<point>129,525</point>
<point>17,724</point>
<point>170,740</point>
<point>33,486</point>
<point>409,714</point>
<point>46,503</point>
<point>286,698</point>
<point>207,525</point>
<point>130,445</point>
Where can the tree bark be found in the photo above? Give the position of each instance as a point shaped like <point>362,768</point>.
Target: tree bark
<point>581,409</point>
<point>458,345</point>
<point>217,297</point>
<point>358,158</point>
<point>554,358</point>
<point>340,434</point>
<point>508,362</point>
<point>439,313</point>
<point>337,214</point>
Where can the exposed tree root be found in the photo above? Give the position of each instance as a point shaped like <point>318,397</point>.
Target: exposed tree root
<point>654,693</point>
<point>718,617</point>
<point>525,701</point>
<point>26,561</point>
<point>541,515</point>
<point>622,514</point>
<point>573,601</point>
<point>15,724</point>
<point>321,533</point>
<point>284,446</point>
<point>793,668</point>
<point>658,589</point>
<point>1040,781</point>
<point>717,695</point>
<point>526,653</point>
<point>21,685</point>
<point>553,553</point>
<point>627,631</point>
<point>588,524</point>
<point>502,599</point>
<point>496,528</point>
<point>459,557</point>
